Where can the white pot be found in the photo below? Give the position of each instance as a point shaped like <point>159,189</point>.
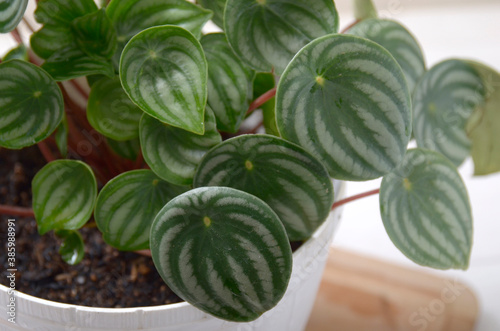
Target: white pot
<point>291,313</point>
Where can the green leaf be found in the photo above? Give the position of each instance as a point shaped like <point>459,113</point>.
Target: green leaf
<point>56,16</point>
<point>128,149</point>
<point>483,126</point>
<point>364,9</point>
<point>443,101</point>
<point>19,53</point>
<point>127,206</point>
<point>95,34</point>
<point>92,79</point>
<point>169,81</point>
<point>426,211</point>
<point>64,194</point>
<point>72,248</point>
<point>61,137</point>
<point>111,112</point>
<point>229,83</point>
<point>11,13</point>
<point>222,250</point>
<point>262,83</point>
<point>398,41</point>
<point>290,180</point>
<point>266,34</point>
<point>173,153</point>
<point>346,101</point>
<point>132,16</point>
<point>217,7</point>
<point>71,62</point>
<point>31,104</point>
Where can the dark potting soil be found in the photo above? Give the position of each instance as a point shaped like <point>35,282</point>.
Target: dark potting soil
<point>105,278</point>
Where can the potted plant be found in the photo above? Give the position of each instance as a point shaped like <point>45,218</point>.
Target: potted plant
<point>166,155</point>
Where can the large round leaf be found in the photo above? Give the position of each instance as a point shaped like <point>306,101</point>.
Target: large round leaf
<point>11,13</point>
<point>222,250</point>
<point>443,101</point>
<point>345,100</point>
<point>31,104</point>
<point>268,33</point>
<point>290,180</point>
<point>64,194</point>
<point>426,211</point>
<point>111,112</point>
<point>217,7</point>
<point>164,71</point>
<point>127,206</point>
<point>173,153</point>
<point>398,41</point>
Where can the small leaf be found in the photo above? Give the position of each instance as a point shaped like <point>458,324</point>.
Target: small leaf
<point>426,211</point>
<point>364,9</point>
<point>95,34</point>
<point>56,16</point>
<point>19,53</point>
<point>72,248</point>
<point>71,62</point>
<point>169,82</point>
<point>217,7</point>
<point>31,104</point>
<point>443,101</point>
<point>483,126</point>
<point>398,41</point>
<point>61,137</point>
<point>222,250</point>
<point>132,16</point>
<point>173,153</point>
<point>11,13</point>
<point>111,112</point>
<point>346,101</point>
<point>128,149</point>
<point>229,83</point>
<point>262,83</point>
<point>266,34</point>
<point>64,194</point>
<point>127,206</point>
<point>290,180</point>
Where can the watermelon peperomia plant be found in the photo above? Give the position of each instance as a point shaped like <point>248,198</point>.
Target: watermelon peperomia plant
<point>166,151</point>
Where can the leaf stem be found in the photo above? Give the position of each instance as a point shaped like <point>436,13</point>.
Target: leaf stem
<point>354,197</point>
<point>261,100</point>
<point>46,152</point>
<point>349,26</point>
<point>16,211</point>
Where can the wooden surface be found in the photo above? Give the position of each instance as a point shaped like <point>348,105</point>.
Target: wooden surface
<point>358,293</point>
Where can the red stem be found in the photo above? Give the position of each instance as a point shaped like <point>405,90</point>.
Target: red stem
<point>261,100</point>
<point>354,197</point>
<point>349,26</point>
<point>16,211</point>
<point>46,152</point>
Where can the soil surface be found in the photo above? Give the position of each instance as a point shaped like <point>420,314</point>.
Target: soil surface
<point>105,278</point>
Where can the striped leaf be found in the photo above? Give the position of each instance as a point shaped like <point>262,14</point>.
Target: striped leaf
<point>72,248</point>
<point>229,82</point>
<point>132,16</point>
<point>127,206</point>
<point>345,100</point>
<point>364,9</point>
<point>64,194</point>
<point>217,7</point>
<point>128,149</point>
<point>11,13</point>
<point>290,180</point>
<point>56,17</point>
<point>31,104</point>
<point>20,52</point>
<point>443,101</point>
<point>266,34</point>
<point>483,126</point>
<point>173,153</point>
<point>111,112</point>
<point>169,82</point>
<point>398,41</point>
<point>222,250</point>
<point>426,211</point>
